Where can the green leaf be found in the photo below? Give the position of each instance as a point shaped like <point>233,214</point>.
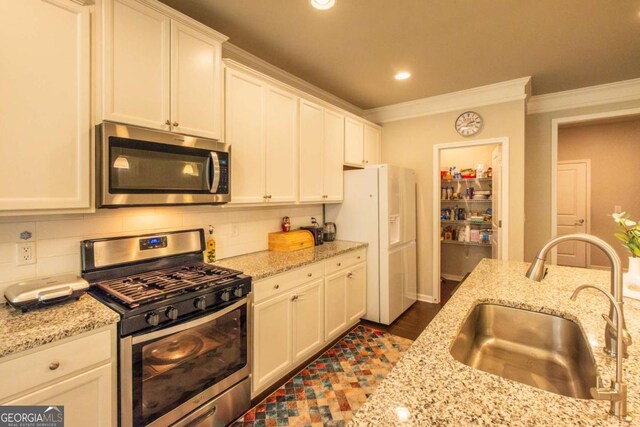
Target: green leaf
<point>621,236</point>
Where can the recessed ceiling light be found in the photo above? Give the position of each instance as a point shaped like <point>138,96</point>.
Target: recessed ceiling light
<point>402,76</point>
<point>322,4</point>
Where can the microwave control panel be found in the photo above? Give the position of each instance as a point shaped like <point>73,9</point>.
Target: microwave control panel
<point>223,185</point>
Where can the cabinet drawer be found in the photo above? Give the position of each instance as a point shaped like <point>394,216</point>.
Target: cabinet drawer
<point>275,285</point>
<point>23,373</point>
<point>343,261</point>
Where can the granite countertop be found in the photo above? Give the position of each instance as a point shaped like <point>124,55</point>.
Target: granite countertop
<point>260,265</point>
<point>440,391</point>
<point>23,331</point>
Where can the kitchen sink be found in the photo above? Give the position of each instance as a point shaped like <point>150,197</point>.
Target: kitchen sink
<point>541,350</point>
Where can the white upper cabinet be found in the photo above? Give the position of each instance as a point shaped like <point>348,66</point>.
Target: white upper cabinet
<point>261,126</point>
<point>136,65</point>
<point>245,131</point>
<point>333,155</point>
<point>160,72</point>
<point>371,145</point>
<point>282,145</point>
<point>311,152</point>
<point>196,73</point>
<point>45,109</point>
<point>353,142</point>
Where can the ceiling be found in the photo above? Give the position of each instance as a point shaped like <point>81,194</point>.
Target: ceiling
<point>354,49</point>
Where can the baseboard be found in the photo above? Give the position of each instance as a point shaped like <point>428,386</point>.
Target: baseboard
<point>453,277</point>
<point>425,298</point>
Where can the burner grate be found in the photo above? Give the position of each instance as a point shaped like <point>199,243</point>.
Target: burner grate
<point>139,289</point>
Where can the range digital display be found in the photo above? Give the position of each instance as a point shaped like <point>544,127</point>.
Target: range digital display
<point>153,243</point>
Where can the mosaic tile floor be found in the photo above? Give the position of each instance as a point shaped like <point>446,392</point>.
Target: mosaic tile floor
<point>330,389</point>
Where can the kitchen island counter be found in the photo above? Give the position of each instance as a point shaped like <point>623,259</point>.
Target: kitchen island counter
<point>429,387</point>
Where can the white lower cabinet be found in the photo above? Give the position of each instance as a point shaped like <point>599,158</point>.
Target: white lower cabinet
<point>86,398</point>
<point>78,373</point>
<point>295,314</point>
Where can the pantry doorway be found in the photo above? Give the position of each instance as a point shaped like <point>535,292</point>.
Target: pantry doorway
<point>470,207</point>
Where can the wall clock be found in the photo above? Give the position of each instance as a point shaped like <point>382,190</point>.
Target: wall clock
<point>468,123</point>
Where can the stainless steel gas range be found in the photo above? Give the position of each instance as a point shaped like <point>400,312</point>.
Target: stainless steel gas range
<point>184,347</point>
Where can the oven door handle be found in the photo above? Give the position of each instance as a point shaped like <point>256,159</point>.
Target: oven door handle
<point>190,324</point>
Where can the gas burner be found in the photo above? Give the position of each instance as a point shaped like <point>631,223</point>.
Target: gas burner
<point>134,291</point>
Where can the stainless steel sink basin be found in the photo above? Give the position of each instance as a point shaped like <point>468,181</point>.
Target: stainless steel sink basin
<point>541,350</point>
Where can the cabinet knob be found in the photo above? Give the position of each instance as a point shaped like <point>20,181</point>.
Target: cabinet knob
<point>269,196</point>
<point>276,286</point>
<point>339,264</point>
<point>168,123</point>
<point>294,298</point>
<point>309,274</point>
<point>349,275</point>
<point>54,365</point>
<point>175,124</point>
<point>359,257</point>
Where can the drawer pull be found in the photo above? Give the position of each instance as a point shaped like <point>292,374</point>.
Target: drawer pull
<point>276,286</point>
<point>309,274</point>
<point>339,264</point>
<point>54,365</point>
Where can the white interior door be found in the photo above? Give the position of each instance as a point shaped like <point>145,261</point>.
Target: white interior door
<point>572,197</point>
<point>496,202</point>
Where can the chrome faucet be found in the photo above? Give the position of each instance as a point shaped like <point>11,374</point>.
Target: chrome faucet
<point>537,272</point>
<point>617,392</point>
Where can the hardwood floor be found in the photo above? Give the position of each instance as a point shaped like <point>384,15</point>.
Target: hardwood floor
<point>413,321</point>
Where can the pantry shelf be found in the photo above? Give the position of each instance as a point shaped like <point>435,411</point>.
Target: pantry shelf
<point>483,223</point>
<point>455,242</point>
<point>445,181</point>
<point>465,201</point>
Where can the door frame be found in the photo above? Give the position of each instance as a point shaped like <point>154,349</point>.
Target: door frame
<point>587,214</point>
<point>503,142</point>
<point>555,125</point>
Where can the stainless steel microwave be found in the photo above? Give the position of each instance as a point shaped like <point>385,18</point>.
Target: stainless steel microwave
<point>144,167</point>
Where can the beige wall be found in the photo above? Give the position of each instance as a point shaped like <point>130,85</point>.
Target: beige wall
<point>538,171</point>
<point>467,157</point>
<point>613,149</point>
<point>410,142</point>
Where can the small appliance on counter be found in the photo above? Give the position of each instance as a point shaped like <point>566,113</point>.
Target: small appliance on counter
<point>289,241</point>
<point>329,232</point>
<point>316,230</point>
<point>43,292</point>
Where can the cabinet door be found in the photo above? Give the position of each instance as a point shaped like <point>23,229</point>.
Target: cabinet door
<point>282,146</point>
<point>353,142</point>
<point>335,309</point>
<point>272,339</point>
<point>371,145</point>
<point>44,113</point>
<point>136,65</point>
<point>308,314</point>
<point>333,155</point>
<point>88,398</point>
<point>245,131</point>
<point>311,152</point>
<point>196,82</point>
<point>356,292</point>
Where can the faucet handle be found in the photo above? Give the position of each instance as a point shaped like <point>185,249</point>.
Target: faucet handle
<point>600,392</point>
<point>626,337</point>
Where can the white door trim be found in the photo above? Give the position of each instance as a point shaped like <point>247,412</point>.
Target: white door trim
<point>555,124</point>
<point>587,219</point>
<point>503,142</point>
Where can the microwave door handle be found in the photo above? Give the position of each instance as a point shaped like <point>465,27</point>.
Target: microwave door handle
<point>213,174</point>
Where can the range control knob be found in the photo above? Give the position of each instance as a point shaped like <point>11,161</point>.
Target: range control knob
<point>152,318</point>
<point>238,291</point>
<point>172,313</point>
<point>200,303</point>
<point>225,296</point>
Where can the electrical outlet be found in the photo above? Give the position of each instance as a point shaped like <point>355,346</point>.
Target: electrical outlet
<point>26,253</point>
<point>235,229</point>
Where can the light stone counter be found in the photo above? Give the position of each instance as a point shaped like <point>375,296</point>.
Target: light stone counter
<point>260,265</point>
<point>440,391</point>
<point>23,331</point>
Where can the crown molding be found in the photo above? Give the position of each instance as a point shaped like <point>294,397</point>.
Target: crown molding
<point>625,90</point>
<point>497,93</point>
<point>241,56</point>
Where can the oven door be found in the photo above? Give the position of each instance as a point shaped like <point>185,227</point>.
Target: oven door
<point>146,167</point>
<point>167,374</point>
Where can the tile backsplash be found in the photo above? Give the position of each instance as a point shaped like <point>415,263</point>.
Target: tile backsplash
<point>57,237</point>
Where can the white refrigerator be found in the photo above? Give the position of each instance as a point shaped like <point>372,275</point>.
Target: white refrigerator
<point>380,208</point>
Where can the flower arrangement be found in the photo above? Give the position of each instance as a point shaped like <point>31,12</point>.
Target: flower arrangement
<point>628,233</point>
